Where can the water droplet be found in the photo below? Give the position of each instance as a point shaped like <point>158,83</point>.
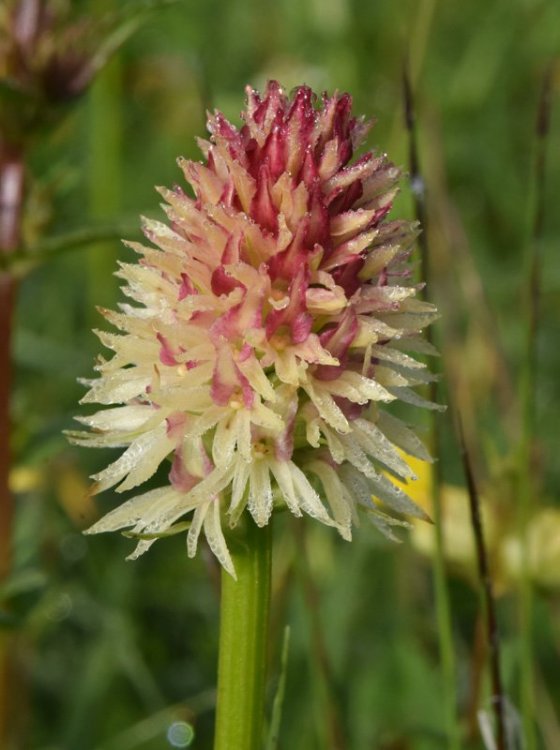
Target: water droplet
<point>180,734</point>
<point>417,186</point>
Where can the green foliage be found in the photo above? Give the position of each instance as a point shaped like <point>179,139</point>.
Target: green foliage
<point>116,653</point>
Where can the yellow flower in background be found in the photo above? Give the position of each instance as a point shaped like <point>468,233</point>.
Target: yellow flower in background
<point>273,319</point>
<point>457,532</point>
<point>543,539</point>
<point>505,547</point>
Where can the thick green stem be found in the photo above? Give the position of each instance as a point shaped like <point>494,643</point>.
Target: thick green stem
<point>244,616</point>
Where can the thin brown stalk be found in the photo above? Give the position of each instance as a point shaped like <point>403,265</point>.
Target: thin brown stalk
<point>492,630</point>
<point>12,179</point>
<point>477,665</point>
<point>11,199</point>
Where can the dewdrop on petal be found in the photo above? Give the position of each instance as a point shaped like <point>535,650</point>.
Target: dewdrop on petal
<point>267,331</point>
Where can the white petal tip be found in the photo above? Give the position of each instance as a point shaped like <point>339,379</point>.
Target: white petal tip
<point>231,572</point>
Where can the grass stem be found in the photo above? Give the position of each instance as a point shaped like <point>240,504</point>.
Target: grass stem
<point>105,175</point>
<point>333,735</point>
<point>443,607</point>
<point>528,390</point>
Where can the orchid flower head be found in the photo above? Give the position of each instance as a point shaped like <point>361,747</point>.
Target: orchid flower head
<point>272,321</point>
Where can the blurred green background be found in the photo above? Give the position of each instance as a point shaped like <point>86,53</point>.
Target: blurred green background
<point>121,656</point>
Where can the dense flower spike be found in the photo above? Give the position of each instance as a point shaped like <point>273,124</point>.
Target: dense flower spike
<point>273,315</point>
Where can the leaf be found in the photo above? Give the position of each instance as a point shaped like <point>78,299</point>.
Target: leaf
<point>46,355</point>
<point>25,259</point>
<point>23,582</point>
<point>121,26</point>
<point>11,91</point>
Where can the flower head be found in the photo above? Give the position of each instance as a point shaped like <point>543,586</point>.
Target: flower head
<point>272,317</point>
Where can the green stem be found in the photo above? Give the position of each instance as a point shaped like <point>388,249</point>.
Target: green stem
<point>526,603</point>
<point>245,604</point>
<point>23,260</point>
<point>442,599</point>
<point>105,174</point>
<point>443,607</point>
<point>528,393</point>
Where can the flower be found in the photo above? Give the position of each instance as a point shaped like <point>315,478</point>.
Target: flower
<point>273,314</point>
<point>503,540</point>
<point>49,56</point>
